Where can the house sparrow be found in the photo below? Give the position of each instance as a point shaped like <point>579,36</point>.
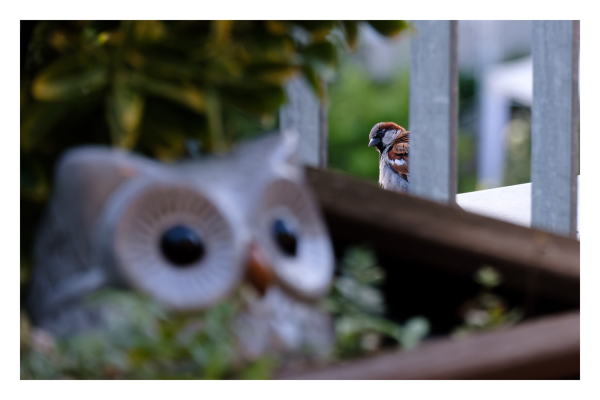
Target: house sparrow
<point>391,140</point>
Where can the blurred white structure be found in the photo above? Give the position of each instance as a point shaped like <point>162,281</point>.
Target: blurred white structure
<point>501,85</point>
<point>510,203</point>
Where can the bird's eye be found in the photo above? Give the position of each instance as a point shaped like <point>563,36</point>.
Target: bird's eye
<point>182,246</point>
<point>285,236</point>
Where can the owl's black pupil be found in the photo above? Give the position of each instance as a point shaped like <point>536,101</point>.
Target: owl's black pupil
<point>285,237</point>
<point>182,246</point>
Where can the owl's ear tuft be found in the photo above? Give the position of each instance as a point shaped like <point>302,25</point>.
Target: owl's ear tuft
<point>89,175</point>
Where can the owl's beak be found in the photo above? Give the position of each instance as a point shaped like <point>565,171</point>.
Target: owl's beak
<point>259,273</point>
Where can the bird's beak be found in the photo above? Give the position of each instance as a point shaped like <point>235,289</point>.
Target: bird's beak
<point>374,142</point>
<point>259,273</point>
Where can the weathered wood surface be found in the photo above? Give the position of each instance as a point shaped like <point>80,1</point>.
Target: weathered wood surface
<point>554,125</point>
<point>434,110</point>
<point>447,236</point>
<point>546,348</point>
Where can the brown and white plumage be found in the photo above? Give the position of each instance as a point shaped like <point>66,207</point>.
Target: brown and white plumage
<point>392,142</point>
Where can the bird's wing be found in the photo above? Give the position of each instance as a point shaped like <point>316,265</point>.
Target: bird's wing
<point>398,155</point>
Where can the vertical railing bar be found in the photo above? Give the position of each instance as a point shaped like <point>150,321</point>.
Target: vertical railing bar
<point>303,113</point>
<point>434,111</point>
<point>323,124</point>
<point>555,111</point>
<point>453,169</point>
<point>575,130</point>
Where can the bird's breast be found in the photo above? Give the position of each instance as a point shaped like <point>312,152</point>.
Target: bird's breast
<point>390,180</point>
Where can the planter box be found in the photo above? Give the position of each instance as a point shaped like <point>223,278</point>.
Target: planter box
<point>430,252</point>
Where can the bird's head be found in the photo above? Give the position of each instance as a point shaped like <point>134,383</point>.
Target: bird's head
<point>383,135</point>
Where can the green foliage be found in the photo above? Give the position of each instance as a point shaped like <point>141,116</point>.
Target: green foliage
<point>488,277</point>
<point>208,69</point>
<point>358,305</point>
<point>487,310</point>
<point>467,152</point>
<point>140,340</point>
<point>518,158</point>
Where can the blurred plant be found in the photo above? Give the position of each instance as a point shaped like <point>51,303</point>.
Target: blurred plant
<point>161,88</point>
<point>486,311</point>
<point>467,132</point>
<point>140,340</point>
<point>358,305</point>
<point>171,80</point>
<point>518,156</point>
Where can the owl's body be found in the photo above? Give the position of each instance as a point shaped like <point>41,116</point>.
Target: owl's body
<point>392,142</point>
<point>183,234</point>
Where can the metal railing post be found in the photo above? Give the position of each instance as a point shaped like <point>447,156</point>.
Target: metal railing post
<point>305,114</point>
<point>554,126</point>
<point>434,111</point>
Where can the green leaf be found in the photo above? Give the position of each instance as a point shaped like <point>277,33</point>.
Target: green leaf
<point>389,28</point>
<point>148,30</point>
<point>125,109</point>
<point>222,31</point>
<point>267,48</point>
<point>216,140</point>
<point>316,27</point>
<point>257,100</point>
<point>314,80</point>
<point>68,78</point>
<point>270,73</point>
<point>414,330</point>
<point>185,93</point>
<point>277,28</point>
<point>166,126</point>
<point>488,277</point>
<point>351,33</point>
<point>259,369</point>
<point>323,53</point>
<point>161,61</point>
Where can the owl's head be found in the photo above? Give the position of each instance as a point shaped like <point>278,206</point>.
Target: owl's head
<point>186,234</point>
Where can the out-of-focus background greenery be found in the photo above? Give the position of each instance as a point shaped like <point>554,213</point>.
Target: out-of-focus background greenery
<point>139,339</point>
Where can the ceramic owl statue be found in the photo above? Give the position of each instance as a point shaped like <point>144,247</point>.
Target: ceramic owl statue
<point>188,234</point>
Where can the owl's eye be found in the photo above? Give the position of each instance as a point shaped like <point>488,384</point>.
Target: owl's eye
<point>173,243</point>
<point>285,236</point>
<point>182,246</point>
<point>292,236</point>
